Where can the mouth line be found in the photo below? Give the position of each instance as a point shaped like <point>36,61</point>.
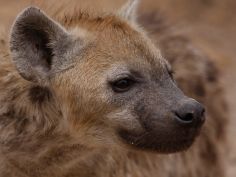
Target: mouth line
<point>150,142</point>
<point>172,147</point>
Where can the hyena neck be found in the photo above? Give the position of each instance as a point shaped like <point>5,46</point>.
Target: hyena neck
<point>25,108</point>
<point>32,132</point>
<point>28,111</point>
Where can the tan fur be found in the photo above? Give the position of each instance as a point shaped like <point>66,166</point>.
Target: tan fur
<point>35,143</point>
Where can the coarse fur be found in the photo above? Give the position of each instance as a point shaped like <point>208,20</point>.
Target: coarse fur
<point>42,132</point>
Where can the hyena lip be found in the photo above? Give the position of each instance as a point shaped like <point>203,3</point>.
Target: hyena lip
<point>152,142</point>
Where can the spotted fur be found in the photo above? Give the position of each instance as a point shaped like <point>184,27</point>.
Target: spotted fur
<point>43,134</point>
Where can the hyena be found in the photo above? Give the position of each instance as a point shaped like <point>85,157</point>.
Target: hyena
<point>77,94</point>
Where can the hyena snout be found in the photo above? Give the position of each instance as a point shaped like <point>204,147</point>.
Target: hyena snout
<point>190,113</point>
<point>167,127</point>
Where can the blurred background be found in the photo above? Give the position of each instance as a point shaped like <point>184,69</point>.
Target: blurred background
<point>210,24</point>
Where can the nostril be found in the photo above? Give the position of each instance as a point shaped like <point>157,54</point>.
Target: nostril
<point>185,118</point>
<point>188,117</point>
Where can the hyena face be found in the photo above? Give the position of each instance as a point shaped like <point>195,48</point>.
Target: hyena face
<point>112,84</point>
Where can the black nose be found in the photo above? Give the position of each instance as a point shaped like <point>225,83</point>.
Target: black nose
<point>190,112</point>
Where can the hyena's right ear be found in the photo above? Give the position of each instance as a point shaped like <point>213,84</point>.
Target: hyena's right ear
<point>129,10</point>
<point>41,46</point>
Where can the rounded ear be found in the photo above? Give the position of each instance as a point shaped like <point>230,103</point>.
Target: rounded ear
<point>39,45</point>
<point>129,10</point>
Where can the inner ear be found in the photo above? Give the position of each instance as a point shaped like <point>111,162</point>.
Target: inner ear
<point>39,42</point>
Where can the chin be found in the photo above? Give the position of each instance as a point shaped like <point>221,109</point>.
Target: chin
<point>153,142</point>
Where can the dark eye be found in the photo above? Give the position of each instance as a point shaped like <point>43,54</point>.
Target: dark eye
<point>122,85</point>
<point>171,73</point>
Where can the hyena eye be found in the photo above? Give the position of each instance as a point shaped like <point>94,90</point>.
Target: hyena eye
<point>171,73</point>
<point>122,85</point>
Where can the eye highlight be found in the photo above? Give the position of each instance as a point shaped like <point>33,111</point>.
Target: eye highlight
<point>122,85</point>
<point>170,70</point>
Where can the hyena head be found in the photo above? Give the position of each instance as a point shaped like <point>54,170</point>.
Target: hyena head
<point>113,86</point>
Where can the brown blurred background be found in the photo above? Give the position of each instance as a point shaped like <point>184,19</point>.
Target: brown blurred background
<point>211,24</point>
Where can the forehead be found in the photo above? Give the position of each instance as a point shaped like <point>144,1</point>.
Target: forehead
<point>121,44</point>
<point>126,44</point>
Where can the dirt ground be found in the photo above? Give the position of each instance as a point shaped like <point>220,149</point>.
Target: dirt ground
<point>211,24</point>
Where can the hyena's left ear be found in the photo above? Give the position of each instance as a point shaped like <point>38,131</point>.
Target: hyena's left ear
<point>129,10</point>
<point>40,46</point>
